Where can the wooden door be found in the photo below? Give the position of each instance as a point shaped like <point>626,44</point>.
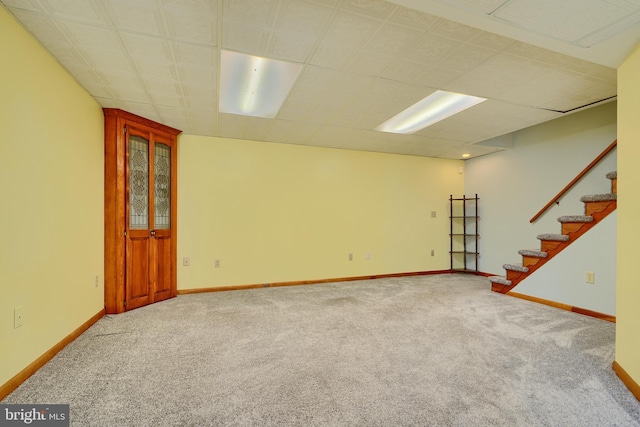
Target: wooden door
<point>149,195</point>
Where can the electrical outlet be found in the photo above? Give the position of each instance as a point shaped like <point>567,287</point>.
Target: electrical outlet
<point>433,214</point>
<point>433,252</point>
<point>350,256</point>
<point>186,261</point>
<point>216,263</point>
<point>368,256</point>
<point>18,317</point>
<point>590,277</point>
<point>96,281</point>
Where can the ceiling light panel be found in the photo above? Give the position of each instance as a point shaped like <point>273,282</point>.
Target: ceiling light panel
<point>254,86</point>
<point>432,109</point>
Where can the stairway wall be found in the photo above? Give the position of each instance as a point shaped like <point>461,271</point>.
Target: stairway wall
<point>562,279</point>
<point>514,184</point>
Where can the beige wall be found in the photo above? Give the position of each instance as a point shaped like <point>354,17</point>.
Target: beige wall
<point>628,282</point>
<point>279,212</point>
<point>51,168</point>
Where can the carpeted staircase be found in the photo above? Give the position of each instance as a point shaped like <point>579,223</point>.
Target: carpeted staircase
<point>597,207</point>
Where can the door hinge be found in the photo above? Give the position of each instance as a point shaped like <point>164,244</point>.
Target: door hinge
<point>125,233</point>
<point>124,303</point>
<point>124,130</point>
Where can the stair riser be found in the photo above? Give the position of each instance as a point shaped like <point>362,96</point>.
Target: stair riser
<point>498,287</point>
<point>529,261</point>
<point>593,207</point>
<point>515,276</point>
<point>572,227</point>
<point>549,245</point>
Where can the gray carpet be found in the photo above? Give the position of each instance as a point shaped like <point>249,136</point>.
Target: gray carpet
<point>429,350</point>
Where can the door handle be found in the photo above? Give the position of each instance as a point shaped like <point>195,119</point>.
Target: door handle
<point>153,233</point>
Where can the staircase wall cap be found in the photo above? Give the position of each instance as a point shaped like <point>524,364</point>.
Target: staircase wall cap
<point>516,267</point>
<point>533,253</point>
<point>554,237</point>
<point>612,175</point>
<point>575,218</point>
<point>599,197</point>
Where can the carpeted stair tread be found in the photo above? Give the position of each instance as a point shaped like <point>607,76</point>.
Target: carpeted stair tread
<point>500,279</point>
<point>533,253</point>
<point>575,218</point>
<point>554,237</point>
<point>516,267</point>
<point>608,197</point>
<point>612,175</point>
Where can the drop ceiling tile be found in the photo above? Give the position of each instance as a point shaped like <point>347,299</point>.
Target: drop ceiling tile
<point>302,132</point>
<point>16,5</point>
<point>259,13</point>
<point>192,28</point>
<point>491,41</point>
<point>565,103</point>
<point>92,37</point>
<point>510,68</point>
<point>77,10</point>
<point>256,128</point>
<point>455,31</point>
<point>484,6</point>
<point>167,100</point>
<point>334,136</point>
<point>348,30</point>
<point>156,85</point>
<point>280,131</point>
<point>377,8</point>
<point>146,47</point>
<point>301,17</point>
<point>288,47</point>
<point>243,38</point>
<point>393,39</point>
<point>106,61</point>
<point>174,117</point>
<point>195,75</point>
<point>43,27</point>
<point>156,70</point>
<point>431,50</point>
<point>200,101</point>
<point>204,56</point>
<point>370,63</point>
<point>567,20</point>
<point>333,56</point>
<point>200,7</point>
<point>466,58</point>
<point>205,128</point>
<point>230,125</point>
<point>404,71</point>
<point>108,102</point>
<point>142,109</point>
<point>119,78</point>
<point>530,94</point>
<point>480,86</point>
<point>530,52</point>
<point>139,17</point>
<point>130,95</point>
<point>414,18</point>
<point>593,70</point>
<point>436,76</point>
<point>70,58</point>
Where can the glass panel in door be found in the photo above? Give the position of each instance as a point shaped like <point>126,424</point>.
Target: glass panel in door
<point>138,183</point>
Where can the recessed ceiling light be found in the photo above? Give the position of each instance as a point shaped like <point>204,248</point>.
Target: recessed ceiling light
<point>432,109</point>
<point>254,86</point>
<point>466,155</point>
